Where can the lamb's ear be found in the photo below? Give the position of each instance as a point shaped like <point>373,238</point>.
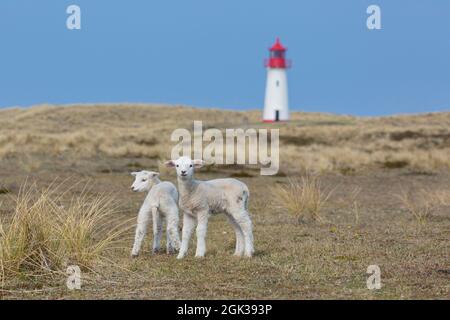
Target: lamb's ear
<point>198,163</point>
<point>170,164</point>
<point>155,174</point>
<point>134,174</point>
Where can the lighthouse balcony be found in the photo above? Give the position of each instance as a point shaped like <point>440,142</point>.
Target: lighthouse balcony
<point>281,63</point>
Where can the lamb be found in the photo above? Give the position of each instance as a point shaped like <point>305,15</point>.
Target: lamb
<point>200,199</point>
<point>161,201</point>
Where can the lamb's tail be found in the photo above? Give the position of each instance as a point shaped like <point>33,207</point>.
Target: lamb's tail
<point>245,196</point>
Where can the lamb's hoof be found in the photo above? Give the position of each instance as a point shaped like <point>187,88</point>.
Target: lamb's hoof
<point>199,256</point>
<point>134,255</point>
<point>238,254</point>
<point>180,256</point>
<point>156,251</point>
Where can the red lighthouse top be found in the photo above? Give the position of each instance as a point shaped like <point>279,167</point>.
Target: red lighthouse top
<point>278,46</point>
<point>277,57</point>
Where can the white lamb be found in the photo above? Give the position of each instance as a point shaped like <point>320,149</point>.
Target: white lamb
<point>161,201</point>
<point>200,199</point>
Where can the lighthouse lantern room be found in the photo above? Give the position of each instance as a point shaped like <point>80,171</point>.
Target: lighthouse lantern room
<point>276,106</point>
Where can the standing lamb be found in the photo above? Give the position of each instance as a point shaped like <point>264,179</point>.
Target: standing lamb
<point>161,200</point>
<point>200,199</point>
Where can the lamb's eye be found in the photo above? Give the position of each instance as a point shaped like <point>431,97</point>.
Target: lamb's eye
<point>143,180</point>
<point>190,166</point>
<point>178,165</point>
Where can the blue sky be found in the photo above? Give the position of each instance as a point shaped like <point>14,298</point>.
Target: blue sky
<point>210,53</point>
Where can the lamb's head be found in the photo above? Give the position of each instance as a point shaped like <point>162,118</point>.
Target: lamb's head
<point>144,180</point>
<point>185,166</point>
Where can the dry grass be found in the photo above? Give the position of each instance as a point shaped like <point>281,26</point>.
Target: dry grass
<point>417,205</point>
<point>304,199</point>
<point>437,197</point>
<point>421,203</point>
<point>310,142</point>
<point>44,235</point>
<point>367,225</point>
<point>355,206</point>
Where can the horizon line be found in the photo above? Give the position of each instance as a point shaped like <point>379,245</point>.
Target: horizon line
<point>160,104</point>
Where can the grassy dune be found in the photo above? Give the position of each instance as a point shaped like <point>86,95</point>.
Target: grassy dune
<point>351,192</point>
<point>318,142</point>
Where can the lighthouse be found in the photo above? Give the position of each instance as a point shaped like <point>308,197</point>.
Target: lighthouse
<point>276,106</point>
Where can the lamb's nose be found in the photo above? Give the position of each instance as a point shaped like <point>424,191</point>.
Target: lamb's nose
<point>183,172</point>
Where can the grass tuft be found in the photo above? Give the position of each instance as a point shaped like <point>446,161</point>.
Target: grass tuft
<point>45,235</point>
<point>421,203</point>
<point>418,204</point>
<point>303,198</point>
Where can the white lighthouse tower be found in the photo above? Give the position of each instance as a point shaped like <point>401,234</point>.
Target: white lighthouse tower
<point>276,107</point>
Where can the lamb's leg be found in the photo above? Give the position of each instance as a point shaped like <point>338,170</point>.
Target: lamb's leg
<point>141,229</point>
<point>173,237</point>
<point>157,230</point>
<point>240,245</point>
<point>188,227</point>
<point>202,228</point>
<point>169,248</point>
<point>247,229</point>
<point>243,219</point>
